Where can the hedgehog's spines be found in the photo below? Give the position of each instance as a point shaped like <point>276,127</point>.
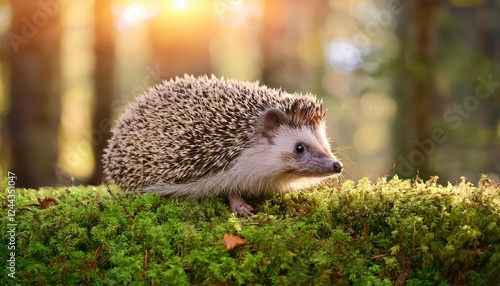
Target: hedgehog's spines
<point>188,128</point>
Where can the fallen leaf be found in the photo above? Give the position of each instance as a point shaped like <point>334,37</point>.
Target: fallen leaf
<point>47,202</point>
<point>231,241</point>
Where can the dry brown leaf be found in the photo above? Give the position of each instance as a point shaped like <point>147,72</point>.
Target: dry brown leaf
<point>47,202</point>
<point>231,241</point>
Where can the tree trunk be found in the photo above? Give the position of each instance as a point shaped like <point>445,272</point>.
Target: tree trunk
<point>104,82</point>
<point>289,26</point>
<point>35,92</point>
<point>414,88</point>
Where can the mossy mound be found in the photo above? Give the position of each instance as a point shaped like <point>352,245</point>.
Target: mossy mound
<point>384,233</point>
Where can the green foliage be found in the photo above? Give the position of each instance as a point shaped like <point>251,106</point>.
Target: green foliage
<point>364,233</point>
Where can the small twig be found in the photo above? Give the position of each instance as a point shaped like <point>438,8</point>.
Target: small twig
<point>381,256</point>
<point>479,251</point>
<point>365,230</point>
<point>413,239</point>
<point>353,233</point>
<point>390,171</point>
<point>417,178</point>
<point>124,207</point>
<point>145,264</point>
<point>94,263</point>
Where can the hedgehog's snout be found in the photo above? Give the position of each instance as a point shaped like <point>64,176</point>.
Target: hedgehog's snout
<point>337,166</point>
<point>324,166</point>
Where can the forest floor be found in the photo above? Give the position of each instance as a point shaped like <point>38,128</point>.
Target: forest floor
<point>389,232</point>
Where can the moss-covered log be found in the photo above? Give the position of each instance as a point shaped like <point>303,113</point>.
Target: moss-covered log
<point>383,233</point>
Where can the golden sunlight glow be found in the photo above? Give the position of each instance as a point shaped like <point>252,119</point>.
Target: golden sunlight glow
<point>134,13</point>
<point>180,4</point>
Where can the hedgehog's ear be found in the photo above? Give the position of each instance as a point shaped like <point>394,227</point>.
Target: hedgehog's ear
<point>273,118</point>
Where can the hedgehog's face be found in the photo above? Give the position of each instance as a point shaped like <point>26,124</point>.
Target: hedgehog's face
<point>302,151</point>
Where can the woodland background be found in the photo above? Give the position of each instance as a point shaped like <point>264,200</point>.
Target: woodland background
<point>410,86</point>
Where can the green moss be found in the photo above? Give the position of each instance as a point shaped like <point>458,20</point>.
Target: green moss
<point>364,233</point>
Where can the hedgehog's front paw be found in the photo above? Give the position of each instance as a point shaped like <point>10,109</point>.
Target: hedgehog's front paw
<point>238,206</point>
<point>243,210</point>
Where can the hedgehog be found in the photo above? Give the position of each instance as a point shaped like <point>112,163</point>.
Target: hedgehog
<point>202,137</point>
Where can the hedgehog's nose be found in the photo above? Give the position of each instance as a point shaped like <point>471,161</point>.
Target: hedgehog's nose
<point>337,167</point>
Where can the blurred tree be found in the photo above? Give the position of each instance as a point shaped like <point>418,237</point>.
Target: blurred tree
<point>413,87</point>
<point>274,40</point>
<point>468,70</point>
<point>291,45</point>
<point>35,92</point>
<point>446,79</point>
<point>104,82</point>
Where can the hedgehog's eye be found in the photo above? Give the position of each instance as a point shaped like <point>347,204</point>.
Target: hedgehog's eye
<point>300,148</point>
